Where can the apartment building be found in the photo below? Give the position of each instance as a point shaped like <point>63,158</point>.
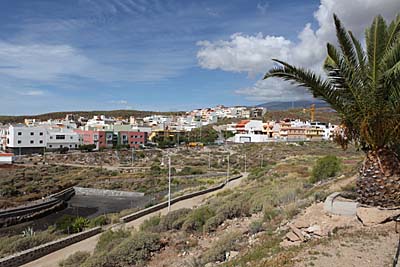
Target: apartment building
<point>58,138</point>
<point>21,139</point>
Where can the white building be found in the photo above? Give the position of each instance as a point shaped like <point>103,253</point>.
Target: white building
<point>58,138</point>
<point>23,140</point>
<point>6,158</point>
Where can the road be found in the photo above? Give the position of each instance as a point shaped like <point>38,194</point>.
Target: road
<point>52,259</point>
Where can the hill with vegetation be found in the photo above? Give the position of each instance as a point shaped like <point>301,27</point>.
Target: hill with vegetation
<point>88,114</point>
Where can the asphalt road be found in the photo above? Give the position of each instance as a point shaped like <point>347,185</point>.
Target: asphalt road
<point>52,259</point>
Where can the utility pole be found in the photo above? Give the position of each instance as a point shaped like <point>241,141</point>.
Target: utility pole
<point>169,183</point>
<point>245,163</point>
<point>132,158</point>
<point>209,160</point>
<point>262,160</point>
<point>227,171</point>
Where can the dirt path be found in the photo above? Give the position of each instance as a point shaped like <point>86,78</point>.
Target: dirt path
<point>372,247</point>
<point>52,259</point>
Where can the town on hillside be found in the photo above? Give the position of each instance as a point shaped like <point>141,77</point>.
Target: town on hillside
<point>230,124</point>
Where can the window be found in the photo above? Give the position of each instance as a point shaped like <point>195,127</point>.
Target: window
<point>70,145</point>
<point>51,137</point>
<point>32,141</point>
<point>60,137</point>
<point>50,146</point>
<point>19,142</point>
<point>71,137</point>
<point>61,146</point>
<point>41,133</point>
<point>32,133</point>
<point>41,142</point>
<point>19,133</point>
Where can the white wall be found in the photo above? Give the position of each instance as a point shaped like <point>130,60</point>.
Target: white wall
<point>31,137</point>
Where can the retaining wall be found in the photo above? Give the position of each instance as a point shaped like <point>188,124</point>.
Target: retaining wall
<point>35,209</point>
<point>104,192</point>
<point>162,205</point>
<point>29,255</point>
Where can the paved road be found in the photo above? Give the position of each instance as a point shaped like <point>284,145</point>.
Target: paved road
<point>52,259</point>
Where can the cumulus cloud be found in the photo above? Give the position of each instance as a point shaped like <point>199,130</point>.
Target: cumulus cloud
<point>252,54</point>
<point>242,53</point>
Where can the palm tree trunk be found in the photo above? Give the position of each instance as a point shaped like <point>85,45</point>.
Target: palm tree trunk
<point>379,180</point>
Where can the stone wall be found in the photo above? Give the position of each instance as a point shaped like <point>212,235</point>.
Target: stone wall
<point>29,255</point>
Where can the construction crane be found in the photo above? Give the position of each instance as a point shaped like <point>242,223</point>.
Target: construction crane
<point>312,112</point>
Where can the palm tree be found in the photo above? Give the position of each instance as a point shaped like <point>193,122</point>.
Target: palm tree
<point>363,86</point>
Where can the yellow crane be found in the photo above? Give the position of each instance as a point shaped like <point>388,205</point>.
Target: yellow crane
<point>312,112</point>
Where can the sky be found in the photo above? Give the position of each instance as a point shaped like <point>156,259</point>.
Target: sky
<point>163,55</point>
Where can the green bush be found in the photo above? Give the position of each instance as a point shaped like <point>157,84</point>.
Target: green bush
<point>10,245</point>
<point>255,227</point>
<point>174,219</point>
<point>75,260</point>
<point>213,223</point>
<point>218,250</point>
<point>234,209</point>
<point>134,250</point>
<point>79,224</point>
<point>151,224</point>
<point>99,221</point>
<point>110,239</point>
<point>197,218</point>
<point>325,167</point>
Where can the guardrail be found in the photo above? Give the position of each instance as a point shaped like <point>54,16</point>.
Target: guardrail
<point>29,255</point>
<point>162,205</point>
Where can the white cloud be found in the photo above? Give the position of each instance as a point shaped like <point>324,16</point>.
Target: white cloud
<point>242,53</point>
<point>119,102</point>
<point>51,63</point>
<point>32,93</point>
<point>253,54</point>
<point>262,7</point>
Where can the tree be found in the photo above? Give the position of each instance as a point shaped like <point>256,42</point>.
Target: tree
<point>363,86</point>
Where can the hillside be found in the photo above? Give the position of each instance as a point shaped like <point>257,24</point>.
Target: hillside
<point>283,105</point>
<point>87,114</point>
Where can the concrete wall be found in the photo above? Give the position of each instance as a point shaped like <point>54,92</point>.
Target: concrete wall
<point>35,209</point>
<point>26,256</point>
<point>104,192</point>
<point>162,205</point>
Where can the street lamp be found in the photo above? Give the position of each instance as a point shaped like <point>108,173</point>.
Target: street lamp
<point>227,171</point>
<point>245,163</point>
<point>169,183</point>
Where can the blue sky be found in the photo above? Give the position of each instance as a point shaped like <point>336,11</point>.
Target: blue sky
<point>149,54</point>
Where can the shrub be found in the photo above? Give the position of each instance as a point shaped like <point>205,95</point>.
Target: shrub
<point>197,218</point>
<point>10,245</point>
<point>217,252</point>
<point>79,224</point>
<point>131,251</point>
<point>325,167</point>
<point>99,221</point>
<point>256,226</point>
<point>234,209</point>
<point>213,223</point>
<point>151,224</point>
<point>109,239</point>
<point>174,219</point>
<point>270,212</point>
<point>75,260</point>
